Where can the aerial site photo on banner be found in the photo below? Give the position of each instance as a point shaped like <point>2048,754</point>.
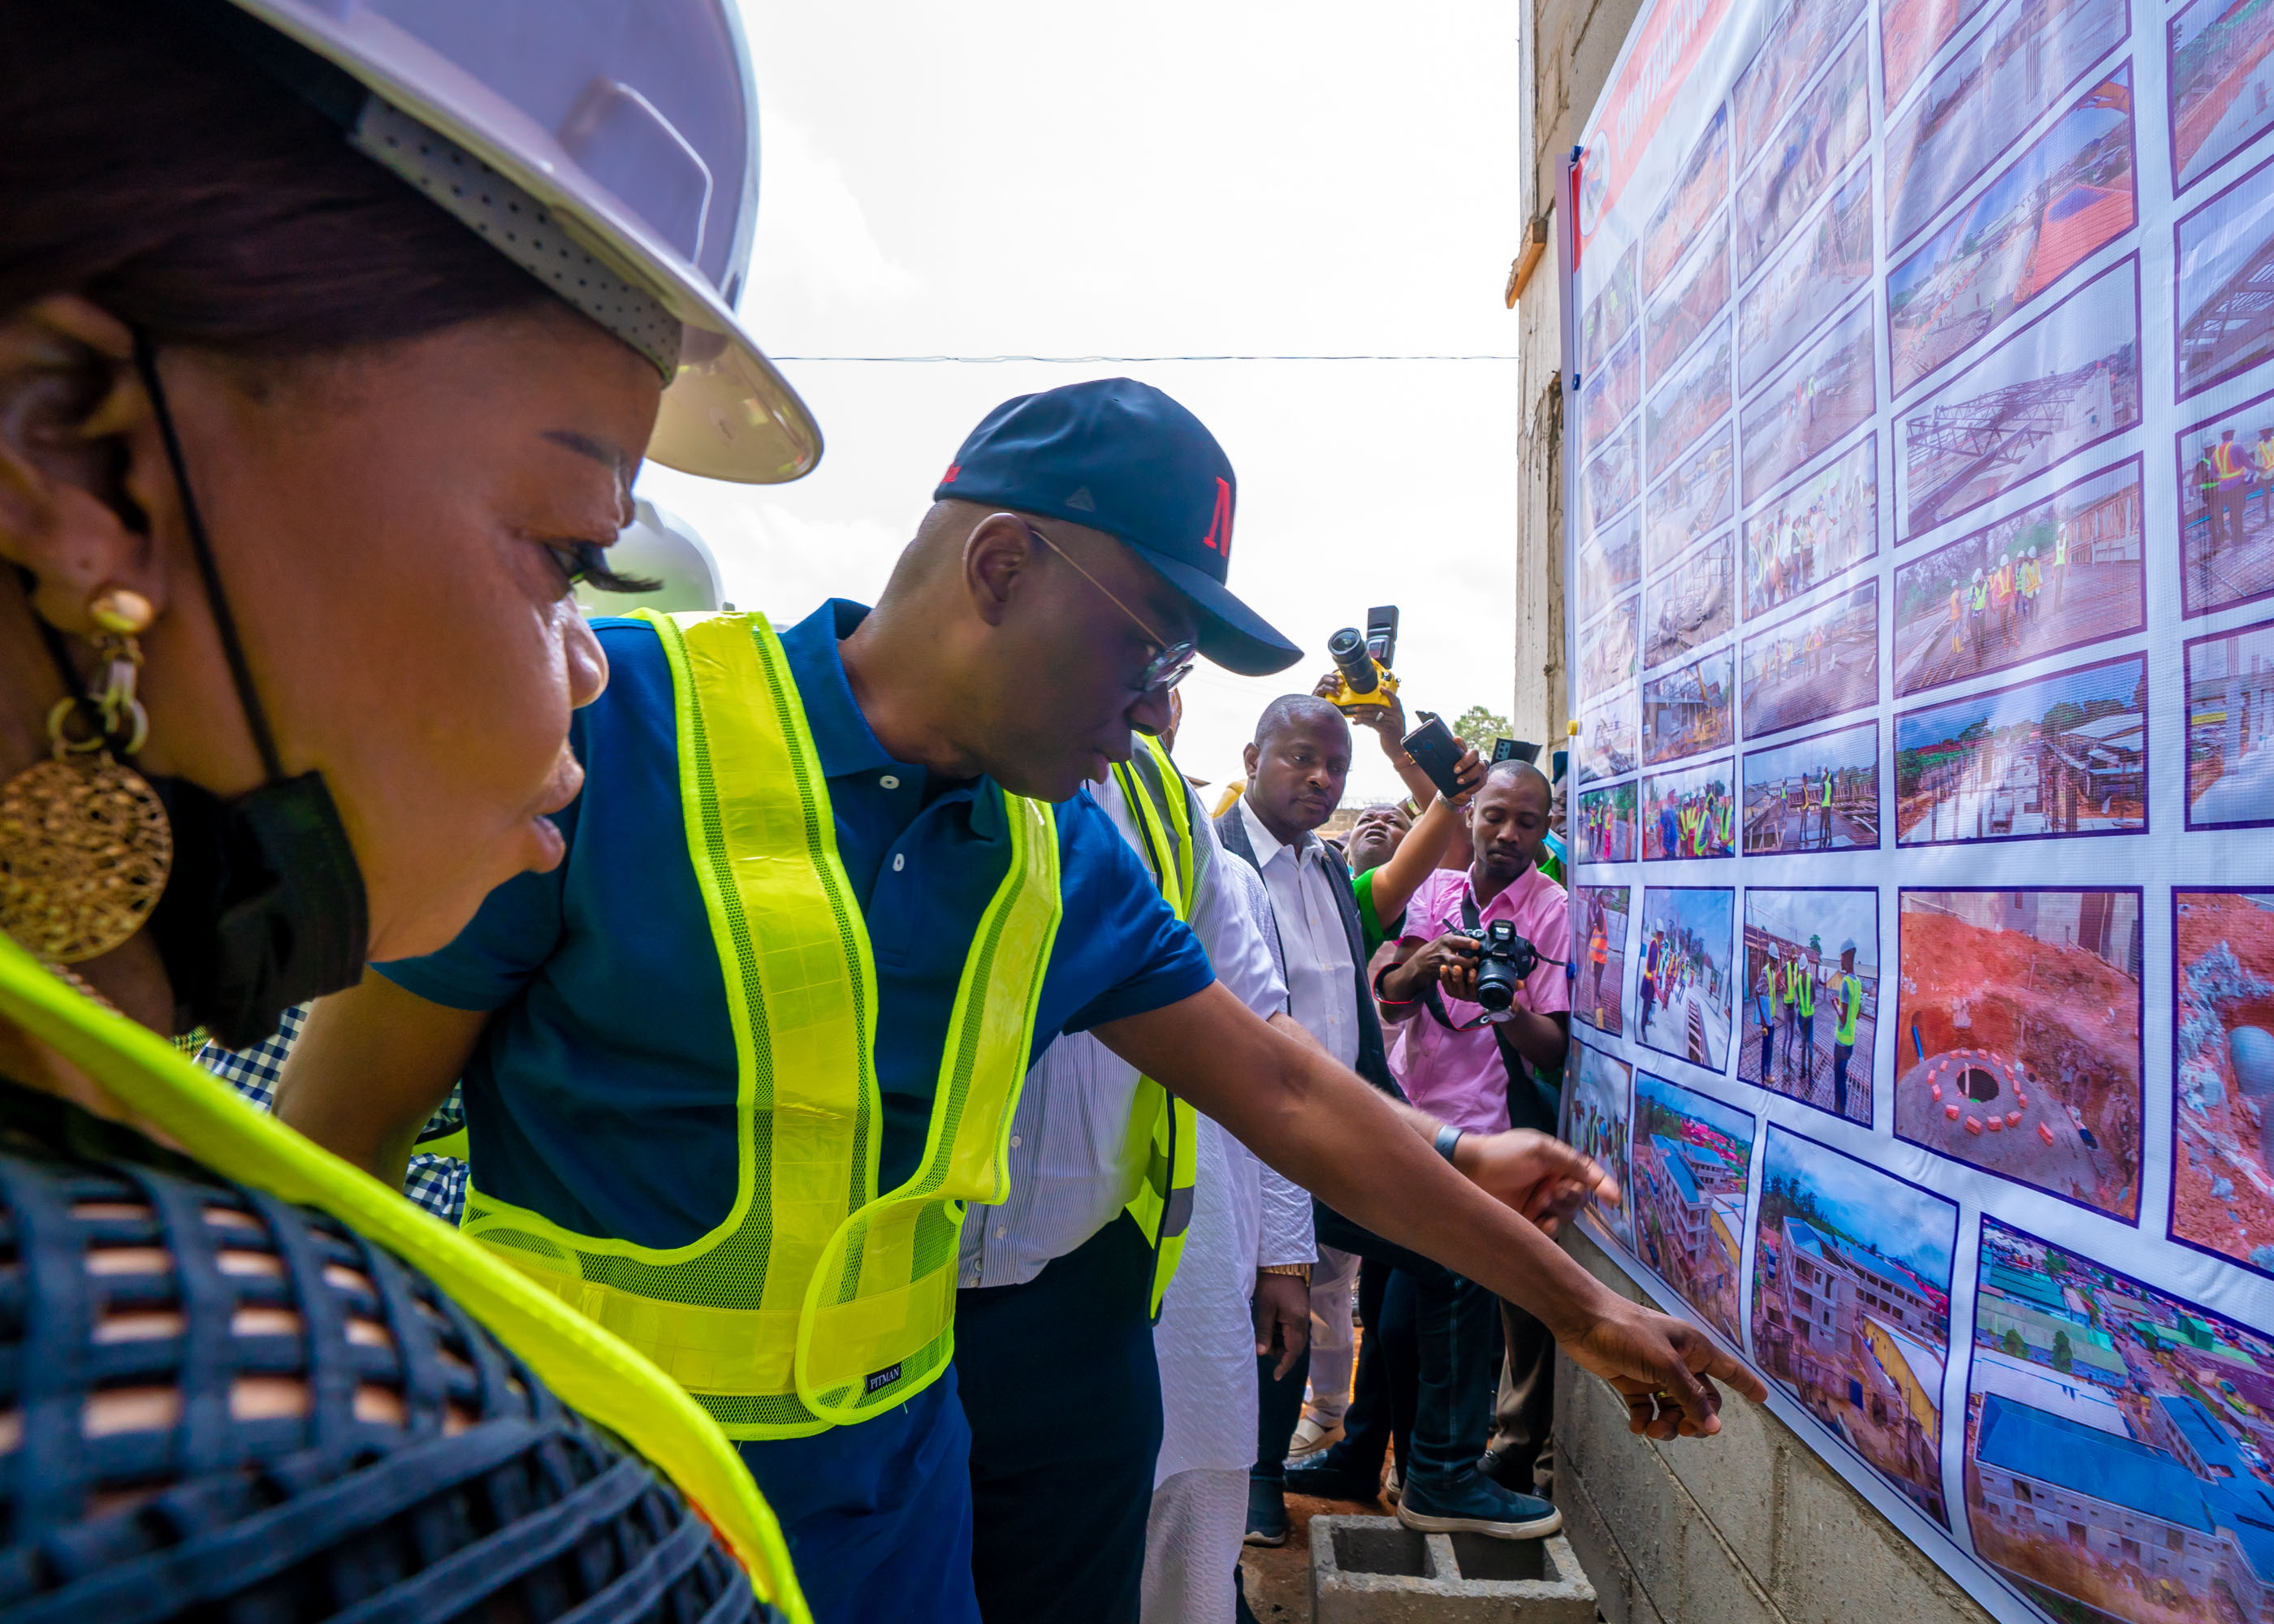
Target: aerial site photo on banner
<point>1921,532</point>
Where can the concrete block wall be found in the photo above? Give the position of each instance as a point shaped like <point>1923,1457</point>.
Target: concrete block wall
<point>1750,1527</point>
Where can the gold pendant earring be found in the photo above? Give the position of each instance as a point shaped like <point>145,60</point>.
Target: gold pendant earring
<point>85,846</point>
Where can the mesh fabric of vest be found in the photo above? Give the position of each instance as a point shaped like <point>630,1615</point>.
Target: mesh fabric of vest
<point>421,1471</point>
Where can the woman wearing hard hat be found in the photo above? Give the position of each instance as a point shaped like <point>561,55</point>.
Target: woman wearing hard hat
<point>330,338</point>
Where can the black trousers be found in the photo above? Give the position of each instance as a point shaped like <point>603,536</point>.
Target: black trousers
<point>1059,1384</point>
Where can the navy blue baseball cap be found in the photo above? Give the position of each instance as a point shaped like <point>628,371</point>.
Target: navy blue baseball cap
<point>1120,456</point>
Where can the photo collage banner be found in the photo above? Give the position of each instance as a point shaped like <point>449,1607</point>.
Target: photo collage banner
<point>1920,360</point>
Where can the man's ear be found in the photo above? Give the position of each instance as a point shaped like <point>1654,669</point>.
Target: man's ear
<point>82,465</point>
<point>999,563</point>
<point>1248,757</point>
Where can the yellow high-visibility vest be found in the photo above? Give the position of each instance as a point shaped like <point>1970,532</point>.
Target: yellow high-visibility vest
<point>815,1301</point>
<point>1164,1129</point>
<point>589,1369</point>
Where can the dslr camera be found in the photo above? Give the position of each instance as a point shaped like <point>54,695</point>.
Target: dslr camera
<point>1504,961</point>
<point>1362,663</point>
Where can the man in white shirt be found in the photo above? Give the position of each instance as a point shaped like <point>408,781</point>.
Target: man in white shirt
<point>1240,1294</point>
<point>1055,1357</point>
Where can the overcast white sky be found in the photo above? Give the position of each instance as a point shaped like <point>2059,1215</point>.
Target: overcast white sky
<point>1181,178</point>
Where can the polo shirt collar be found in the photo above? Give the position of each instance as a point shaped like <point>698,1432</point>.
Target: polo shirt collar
<point>841,734</point>
<point>843,738</point>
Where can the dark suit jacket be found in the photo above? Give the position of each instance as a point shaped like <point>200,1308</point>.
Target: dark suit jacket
<point>1372,1062</point>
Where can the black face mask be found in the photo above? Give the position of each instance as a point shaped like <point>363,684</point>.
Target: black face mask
<point>264,907</point>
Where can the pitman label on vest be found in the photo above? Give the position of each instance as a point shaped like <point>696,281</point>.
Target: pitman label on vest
<point>883,1377</point>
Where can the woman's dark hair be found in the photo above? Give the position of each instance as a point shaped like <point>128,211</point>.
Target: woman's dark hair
<point>149,166</point>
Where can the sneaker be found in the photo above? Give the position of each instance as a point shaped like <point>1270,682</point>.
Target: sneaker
<point>1471,1503</point>
<point>1500,1466</point>
<point>1323,1479</point>
<point>1390,1489</point>
<point>1312,1439</point>
<point>1266,1514</point>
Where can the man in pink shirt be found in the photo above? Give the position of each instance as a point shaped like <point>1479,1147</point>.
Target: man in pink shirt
<point>1481,1075</point>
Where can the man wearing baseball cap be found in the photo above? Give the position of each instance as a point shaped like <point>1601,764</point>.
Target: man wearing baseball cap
<point>733,1070</point>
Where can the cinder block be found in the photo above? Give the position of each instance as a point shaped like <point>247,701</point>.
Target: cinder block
<point>1832,1547</point>
<point>1619,1590</point>
<point>1376,1570</point>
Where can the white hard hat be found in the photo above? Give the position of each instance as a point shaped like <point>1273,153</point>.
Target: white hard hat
<point>607,147</point>
<point>659,546</point>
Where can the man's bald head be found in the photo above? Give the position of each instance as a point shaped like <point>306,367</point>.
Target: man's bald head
<point>1512,771</point>
<point>1307,710</point>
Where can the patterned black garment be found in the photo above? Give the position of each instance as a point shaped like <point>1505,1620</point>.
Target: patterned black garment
<point>217,1406</point>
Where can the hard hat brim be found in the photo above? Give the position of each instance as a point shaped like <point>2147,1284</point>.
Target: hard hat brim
<point>727,413</point>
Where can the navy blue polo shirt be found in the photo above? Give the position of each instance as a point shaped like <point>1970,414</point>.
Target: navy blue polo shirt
<point>602,1095</point>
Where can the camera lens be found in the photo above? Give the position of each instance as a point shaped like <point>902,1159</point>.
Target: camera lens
<point>1353,660</point>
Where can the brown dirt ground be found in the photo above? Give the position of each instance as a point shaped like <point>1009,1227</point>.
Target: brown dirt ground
<point>2041,1003</point>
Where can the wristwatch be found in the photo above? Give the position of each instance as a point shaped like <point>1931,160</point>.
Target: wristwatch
<point>1301,1271</point>
<point>1448,1140</point>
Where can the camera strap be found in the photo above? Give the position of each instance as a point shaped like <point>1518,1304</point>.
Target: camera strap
<point>1472,924</point>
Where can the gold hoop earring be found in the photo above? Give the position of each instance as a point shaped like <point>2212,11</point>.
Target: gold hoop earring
<point>85,846</point>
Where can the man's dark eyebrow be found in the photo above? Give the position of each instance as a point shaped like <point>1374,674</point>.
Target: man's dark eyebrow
<point>584,445</point>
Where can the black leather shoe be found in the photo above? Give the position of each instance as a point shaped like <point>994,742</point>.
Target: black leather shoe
<point>1326,1480</point>
<point>1266,1514</point>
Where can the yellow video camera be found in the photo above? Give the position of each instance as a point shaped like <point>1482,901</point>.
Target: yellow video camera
<point>1362,663</point>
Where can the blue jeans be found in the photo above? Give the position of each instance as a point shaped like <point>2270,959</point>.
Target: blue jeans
<point>878,1516</point>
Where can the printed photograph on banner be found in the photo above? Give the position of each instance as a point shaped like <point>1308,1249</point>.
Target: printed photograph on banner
<point>1692,501</point>
<point>2223,301</point>
<point>1695,193</point>
<point>2067,381</point>
<point>2064,572</point>
<point>1687,812</point>
<point>2063,200</point>
<point>2222,1073</point>
<point>1605,831</point>
<point>1683,997</point>
<point>2226,508</point>
<point>1810,996</point>
<point>1692,298</point>
<point>1985,94</point>
<point>1611,391</point>
<point>2221,77</point>
<point>1600,930</point>
<point>1610,308</point>
<point>1820,663</point>
<point>1689,1154</point>
<point>1819,794</point>
<point>1852,1305</point>
<point>1910,32</point>
<point>1693,399</point>
<point>1798,44</point>
<point>1610,481</point>
<point>1610,559</point>
<point>1687,709</point>
<point>1798,161</point>
<point>1692,603</point>
<point>1595,1113</point>
<point>2065,755</point>
<point>2017,1037</point>
<point>1800,415</point>
<point>1607,649</point>
<point>2116,1442</point>
<point>2230,729</point>
<point>1608,748</point>
<point>1828,259</point>
<point>1826,525</point>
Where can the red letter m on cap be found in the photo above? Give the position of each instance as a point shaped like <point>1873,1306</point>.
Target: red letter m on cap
<point>1218,538</point>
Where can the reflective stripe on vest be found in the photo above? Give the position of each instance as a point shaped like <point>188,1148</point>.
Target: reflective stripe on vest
<point>590,1371</point>
<point>814,1301</point>
<point>1164,1130</point>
